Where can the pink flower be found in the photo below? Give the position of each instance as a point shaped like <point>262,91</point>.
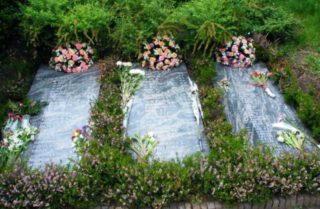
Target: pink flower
<point>76,70</point>
<point>57,59</point>
<point>85,57</point>
<point>78,46</point>
<point>161,58</point>
<point>234,48</point>
<point>241,57</point>
<point>64,51</point>
<point>244,41</point>
<point>75,57</point>
<point>82,52</point>
<point>84,66</point>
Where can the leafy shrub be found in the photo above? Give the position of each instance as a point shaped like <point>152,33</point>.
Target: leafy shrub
<point>307,106</point>
<point>9,19</point>
<point>67,20</point>
<point>137,21</point>
<point>107,173</point>
<point>204,24</point>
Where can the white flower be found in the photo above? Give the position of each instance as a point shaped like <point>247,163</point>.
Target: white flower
<point>280,139</point>
<point>137,71</point>
<point>127,64</point>
<point>151,134</point>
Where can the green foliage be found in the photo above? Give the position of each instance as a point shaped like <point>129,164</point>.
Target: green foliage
<point>68,20</point>
<point>107,172</point>
<point>137,21</point>
<point>205,24</point>
<point>9,17</point>
<point>15,76</point>
<point>308,12</point>
<point>307,106</point>
<point>27,107</point>
<point>313,63</point>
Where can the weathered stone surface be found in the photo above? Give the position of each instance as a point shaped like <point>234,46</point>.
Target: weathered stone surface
<point>188,206</point>
<point>69,98</point>
<point>163,105</point>
<point>249,107</point>
<point>211,205</point>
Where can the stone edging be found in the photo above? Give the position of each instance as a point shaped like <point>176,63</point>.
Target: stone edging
<point>294,202</point>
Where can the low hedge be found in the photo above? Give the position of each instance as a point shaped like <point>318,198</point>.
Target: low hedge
<point>233,171</point>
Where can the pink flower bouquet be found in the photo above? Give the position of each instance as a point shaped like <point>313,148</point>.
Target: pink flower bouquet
<point>161,54</point>
<point>240,52</point>
<point>72,58</point>
<point>260,80</point>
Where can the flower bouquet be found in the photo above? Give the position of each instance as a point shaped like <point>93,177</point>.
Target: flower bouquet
<point>81,139</point>
<point>260,79</point>
<point>17,134</point>
<point>290,135</point>
<point>130,82</point>
<point>72,58</point>
<point>240,52</point>
<point>161,54</point>
<point>143,146</point>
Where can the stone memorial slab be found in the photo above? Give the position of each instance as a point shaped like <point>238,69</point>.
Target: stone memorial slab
<point>248,106</point>
<point>69,98</point>
<point>163,105</point>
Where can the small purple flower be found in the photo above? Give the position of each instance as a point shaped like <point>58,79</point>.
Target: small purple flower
<point>84,130</point>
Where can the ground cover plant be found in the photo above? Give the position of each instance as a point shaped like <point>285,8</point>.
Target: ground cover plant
<point>107,173</point>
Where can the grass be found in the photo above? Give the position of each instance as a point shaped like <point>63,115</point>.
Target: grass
<point>307,11</point>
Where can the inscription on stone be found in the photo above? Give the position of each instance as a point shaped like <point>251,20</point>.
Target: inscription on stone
<point>249,107</point>
<point>163,106</point>
<point>69,98</point>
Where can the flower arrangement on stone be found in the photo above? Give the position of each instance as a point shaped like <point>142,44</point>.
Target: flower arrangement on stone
<point>130,81</point>
<point>143,146</point>
<point>72,58</point>
<point>17,134</point>
<point>289,134</point>
<point>240,52</point>
<point>18,131</point>
<point>81,139</point>
<point>260,80</point>
<point>161,54</point>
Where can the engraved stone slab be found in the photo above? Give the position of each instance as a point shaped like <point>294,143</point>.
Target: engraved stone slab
<point>249,107</point>
<point>163,106</point>
<point>69,98</point>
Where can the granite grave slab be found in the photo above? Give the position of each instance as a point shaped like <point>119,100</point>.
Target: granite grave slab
<point>248,106</point>
<point>69,98</point>
<point>163,105</point>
